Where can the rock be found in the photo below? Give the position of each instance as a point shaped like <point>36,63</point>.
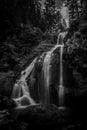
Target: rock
<point>43,116</point>
<point>7,80</point>
<point>6,103</point>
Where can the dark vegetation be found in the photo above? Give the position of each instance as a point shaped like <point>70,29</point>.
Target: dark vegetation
<point>76,42</point>
<point>26,31</point>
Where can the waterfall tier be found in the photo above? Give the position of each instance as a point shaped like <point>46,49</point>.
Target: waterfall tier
<point>44,83</point>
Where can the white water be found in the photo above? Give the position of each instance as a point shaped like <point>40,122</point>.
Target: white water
<point>47,74</point>
<point>20,90</point>
<point>61,87</point>
<point>27,71</point>
<point>61,36</point>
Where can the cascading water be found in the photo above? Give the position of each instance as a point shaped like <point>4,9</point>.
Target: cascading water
<point>21,94</point>
<point>60,38</point>
<point>26,73</point>
<point>61,87</point>
<point>46,72</point>
<point>20,88</point>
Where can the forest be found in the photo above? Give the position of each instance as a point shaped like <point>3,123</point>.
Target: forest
<point>29,33</point>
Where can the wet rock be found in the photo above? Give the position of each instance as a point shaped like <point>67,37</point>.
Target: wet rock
<point>50,116</point>
<point>6,103</point>
<point>43,116</point>
<point>7,80</point>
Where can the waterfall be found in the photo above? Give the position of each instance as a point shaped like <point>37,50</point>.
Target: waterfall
<point>61,37</point>
<point>27,71</point>
<point>61,87</point>
<point>20,90</point>
<point>47,69</point>
<point>21,93</point>
<point>46,74</point>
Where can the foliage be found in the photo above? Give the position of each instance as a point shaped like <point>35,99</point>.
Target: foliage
<point>15,50</point>
<point>77,9</point>
<point>76,45</point>
<point>52,15</point>
<point>76,40</point>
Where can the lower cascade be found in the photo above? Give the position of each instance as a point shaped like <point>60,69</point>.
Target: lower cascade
<point>21,92</point>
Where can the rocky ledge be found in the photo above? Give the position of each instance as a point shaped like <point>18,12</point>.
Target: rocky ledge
<point>41,117</point>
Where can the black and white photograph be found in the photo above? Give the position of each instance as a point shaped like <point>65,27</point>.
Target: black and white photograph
<point>43,64</point>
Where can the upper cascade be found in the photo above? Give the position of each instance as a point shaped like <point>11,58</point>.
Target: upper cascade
<point>61,36</point>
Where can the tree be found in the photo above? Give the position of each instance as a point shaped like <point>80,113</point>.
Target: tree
<point>14,13</point>
<point>50,12</point>
<point>73,9</point>
<point>77,9</point>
